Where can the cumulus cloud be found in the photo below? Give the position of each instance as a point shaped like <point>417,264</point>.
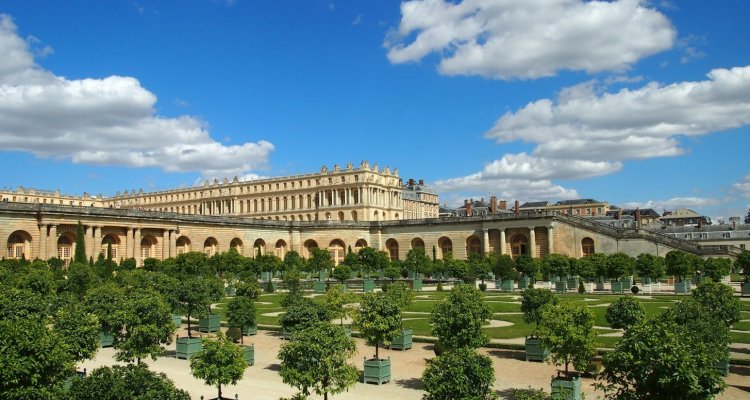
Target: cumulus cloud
<point>743,187</point>
<point>507,188</point>
<point>676,202</point>
<point>109,121</point>
<point>528,39</point>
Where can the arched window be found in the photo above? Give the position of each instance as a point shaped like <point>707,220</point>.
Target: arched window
<point>417,243</point>
<point>336,248</point>
<point>392,246</point>
<point>210,246</point>
<point>148,246</point>
<point>446,247</point>
<point>518,245</point>
<point>473,246</point>
<point>309,246</point>
<point>259,247</point>
<point>587,246</point>
<point>280,248</point>
<point>183,245</point>
<point>236,244</point>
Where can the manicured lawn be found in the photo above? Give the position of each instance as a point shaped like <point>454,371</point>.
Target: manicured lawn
<point>740,337</point>
<point>742,326</point>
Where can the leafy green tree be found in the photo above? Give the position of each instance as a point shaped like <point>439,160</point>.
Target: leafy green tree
<point>22,304</point>
<point>293,261</point>
<point>231,261</point>
<point>649,266</point>
<point>78,330</point>
<point>599,263</point>
<point>302,313</point>
<point>342,273</point>
<point>391,272</point>
<point>503,266</point>
<point>658,359</point>
<point>193,297</point>
<point>292,280</point>
<point>619,265</point>
<point>39,281</point>
<point>680,264</point>
<point>316,359</point>
<point>624,313</point>
<point>743,263</point>
<point>372,260</point>
<point>378,320</point>
<point>351,260</point>
<point>717,268</point>
<point>568,331</point>
<point>81,278</point>
<point>457,320</point>
<point>416,261</point>
<point>219,362</point>
<point>193,263</point>
<point>150,264</point>
<point>480,267</point>
<point>80,252</point>
<point>320,261</point>
<point>107,303</point>
<point>702,325</point>
<point>401,294</point>
<point>555,265</point>
<point>35,361</point>
<point>130,381</point>
<point>241,313</point>
<point>720,299</point>
<point>586,268</point>
<point>249,289</point>
<point>459,269</point>
<point>459,374</point>
<point>532,301</point>
<point>527,266</point>
<point>146,325</point>
<point>336,300</point>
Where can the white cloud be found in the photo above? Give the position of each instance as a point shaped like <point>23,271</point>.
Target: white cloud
<point>528,39</point>
<point>104,121</point>
<point>507,188</point>
<point>743,187</point>
<point>675,202</point>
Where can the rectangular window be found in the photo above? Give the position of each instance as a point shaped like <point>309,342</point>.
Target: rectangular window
<point>727,235</point>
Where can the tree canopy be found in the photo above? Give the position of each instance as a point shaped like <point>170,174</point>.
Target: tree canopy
<point>457,320</point>
<point>378,319</point>
<point>568,331</point>
<point>459,374</point>
<point>132,381</point>
<point>532,301</point>
<point>624,313</point>
<point>219,362</point>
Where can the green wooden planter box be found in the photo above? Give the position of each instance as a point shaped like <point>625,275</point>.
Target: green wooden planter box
<point>322,275</point>
<point>627,283</point>
<point>352,274</point>
<point>177,320</point>
<point>368,285</point>
<point>402,342</point>
<point>185,347</point>
<point>416,284</point>
<point>600,283</point>
<point>561,286</point>
<point>682,287</point>
<point>348,331</point>
<point>229,290</point>
<point>745,288</point>
<point>105,339</point>
<point>249,354</point>
<point>554,279</point>
<point>319,287</point>
<point>722,367</point>
<point>285,334</point>
<point>573,282</point>
<point>523,282</point>
<point>209,323</point>
<point>377,371</point>
<point>566,388</point>
<point>617,286</point>
<point>265,276</point>
<point>506,285</point>
<point>250,330</point>
<point>534,350</point>
<point>498,284</point>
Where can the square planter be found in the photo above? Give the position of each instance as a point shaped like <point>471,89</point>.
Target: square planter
<point>177,320</point>
<point>566,388</point>
<point>319,287</point>
<point>573,283</point>
<point>617,286</point>
<point>250,330</point>
<point>498,284</point>
<point>229,290</point>
<point>416,284</point>
<point>745,288</point>
<point>249,354</point>
<point>186,347</point>
<point>588,287</point>
<point>523,282</point>
<point>682,287</point>
<point>646,288</point>
<point>105,339</point>
<point>534,350</point>
<point>368,285</point>
<point>377,371</point>
<point>627,283</point>
<point>348,331</point>
<point>507,285</point>
<point>554,279</point>
<point>322,275</point>
<point>209,323</point>
<point>265,276</point>
<point>722,367</point>
<point>285,334</point>
<point>600,283</point>
<point>561,286</point>
<point>402,342</point>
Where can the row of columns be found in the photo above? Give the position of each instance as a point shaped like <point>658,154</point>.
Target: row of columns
<point>532,241</point>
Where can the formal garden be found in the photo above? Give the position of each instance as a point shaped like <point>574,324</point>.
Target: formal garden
<point>606,317</point>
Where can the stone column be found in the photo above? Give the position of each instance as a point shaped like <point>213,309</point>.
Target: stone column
<point>502,242</point>
<point>165,245</point>
<point>87,240</point>
<point>137,247</point>
<point>173,243</point>
<point>97,241</point>
<point>532,242</point>
<point>43,246</point>
<point>129,243</point>
<point>550,242</point>
<point>486,241</point>
<point>52,241</point>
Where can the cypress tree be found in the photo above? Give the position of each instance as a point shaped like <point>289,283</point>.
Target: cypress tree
<point>80,255</point>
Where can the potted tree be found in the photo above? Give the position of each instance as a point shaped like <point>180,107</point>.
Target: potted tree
<point>528,268</point>
<point>322,263</point>
<point>649,268</point>
<point>574,272</point>
<point>532,301</point>
<point>212,322</point>
<point>503,267</point>
<point>218,363</point>
<point>336,301</point>
<point>341,274</point>
<point>743,263</point>
<point>568,331</point>
<point>719,299</point>
<point>241,315</point>
<point>379,322</point>
<point>624,313</point>
<point>618,266</point>
<point>402,296</point>
<point>558,266</point>
<point>106,302</point>
<point>597,262</point>
<point>586,269</point>
<point>457,320</point>
<point>371,260</point>
<point>300,313</point>
<point>680,265</point>
<point>193,298</point>
<point>717,268</point>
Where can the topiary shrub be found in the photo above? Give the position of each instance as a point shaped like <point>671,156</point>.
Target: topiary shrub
<point>269,287</point>
<point>581,288</point>
<point>483,287</point>
<point>234,333</point>
<point>635,289</point>
<point>440,287</point>
<point>439,348</point>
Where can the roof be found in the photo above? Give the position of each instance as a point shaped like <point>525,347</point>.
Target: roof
<point>535,204</point>
<point>682,213</point>
<point>576,201</point>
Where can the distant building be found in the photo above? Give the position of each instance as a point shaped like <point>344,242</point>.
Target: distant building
<point>646,216</point>
<point>577,207</point>
<point>473,207</point>
<point>419,200</point>
<point>683,217</point>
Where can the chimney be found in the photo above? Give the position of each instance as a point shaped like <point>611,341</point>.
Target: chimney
<point>619,214</point>
<point>637,217</point>
<point>493,205</point>
<point>469,209</point>
<point>516,207</point>
<point>503,205</point>
<point>421,182</point>
<point>411,182</point>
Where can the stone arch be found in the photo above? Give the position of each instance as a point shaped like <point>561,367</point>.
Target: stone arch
<point>19,245</point>
<point>337,250</point>
<point>114,240</point>
<point>236,244</point>
<point>587,246</point>
<point>360,244</point>
<point>473,245</point>
<point>210,246</point>
<point>148,246</point>
<point>392,246</point>
<point>417,243</point>
<point>519,245</point>
<point>259,247</point>
<point>445,244</point>
<point>354,216</point>
<point>280,248</point>
<point>309,246</point>
<point>183,244</point>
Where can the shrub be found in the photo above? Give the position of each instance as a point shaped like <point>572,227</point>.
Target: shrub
<point>483,287</point>
<point>269,287</point>
<point>440,287</point>
<point>234,333</point>
<point>624,313</point>
<point>581,288</point>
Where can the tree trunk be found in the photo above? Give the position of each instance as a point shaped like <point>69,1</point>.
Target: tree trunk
<point>376,352</point>
<point>220,392</point>
<point>189,311</point>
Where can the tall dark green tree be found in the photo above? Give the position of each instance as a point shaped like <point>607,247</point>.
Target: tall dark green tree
<point>80,254</point>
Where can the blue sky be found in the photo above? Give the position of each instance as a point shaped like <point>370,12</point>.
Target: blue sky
<point>639,103</point>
